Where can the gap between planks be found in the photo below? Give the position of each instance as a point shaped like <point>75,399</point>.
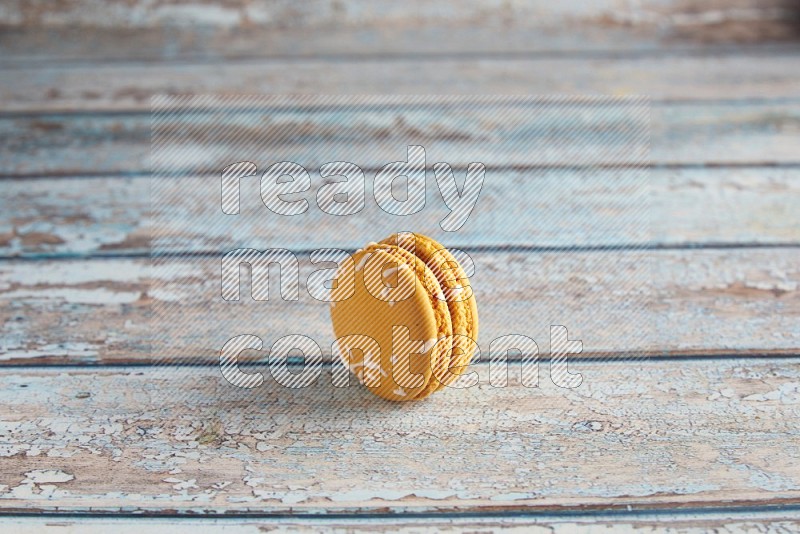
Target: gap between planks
<point>684,520</point>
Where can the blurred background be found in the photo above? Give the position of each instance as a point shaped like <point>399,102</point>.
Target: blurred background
<point>93,55</point>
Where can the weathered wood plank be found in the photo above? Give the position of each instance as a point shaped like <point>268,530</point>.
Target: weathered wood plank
<point>313,14</point>
<point>60,46</point>
<point>713,134</point>
<point>685,206</point>
<point>729,522</point>
<point>383,14</point>
<point>661,303</point>
<point>767,74</point>
<point>647,435</point>
<point>175,29</point>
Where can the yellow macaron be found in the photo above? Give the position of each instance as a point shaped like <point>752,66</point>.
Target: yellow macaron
<point>404,316</point>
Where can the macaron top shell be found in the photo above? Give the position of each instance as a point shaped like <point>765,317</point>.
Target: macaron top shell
<point>406,330</point>
<point>406,323</point>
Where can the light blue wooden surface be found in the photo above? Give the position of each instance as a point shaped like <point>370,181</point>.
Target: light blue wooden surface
<point>704,430</point>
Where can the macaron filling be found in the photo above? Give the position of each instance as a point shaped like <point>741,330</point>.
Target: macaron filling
<point>463,313</point>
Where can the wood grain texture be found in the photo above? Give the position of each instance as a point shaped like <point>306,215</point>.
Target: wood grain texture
<point>712,134</point>
<point>375,23</point>
<point>729,522</point>
<point>745,74</point>
<point>660,303</point>
<point>86,216</point>
<point>61,46</point>
<point>650,435</point>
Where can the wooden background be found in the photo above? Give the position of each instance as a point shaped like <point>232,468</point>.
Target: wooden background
<point>704,434</point>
